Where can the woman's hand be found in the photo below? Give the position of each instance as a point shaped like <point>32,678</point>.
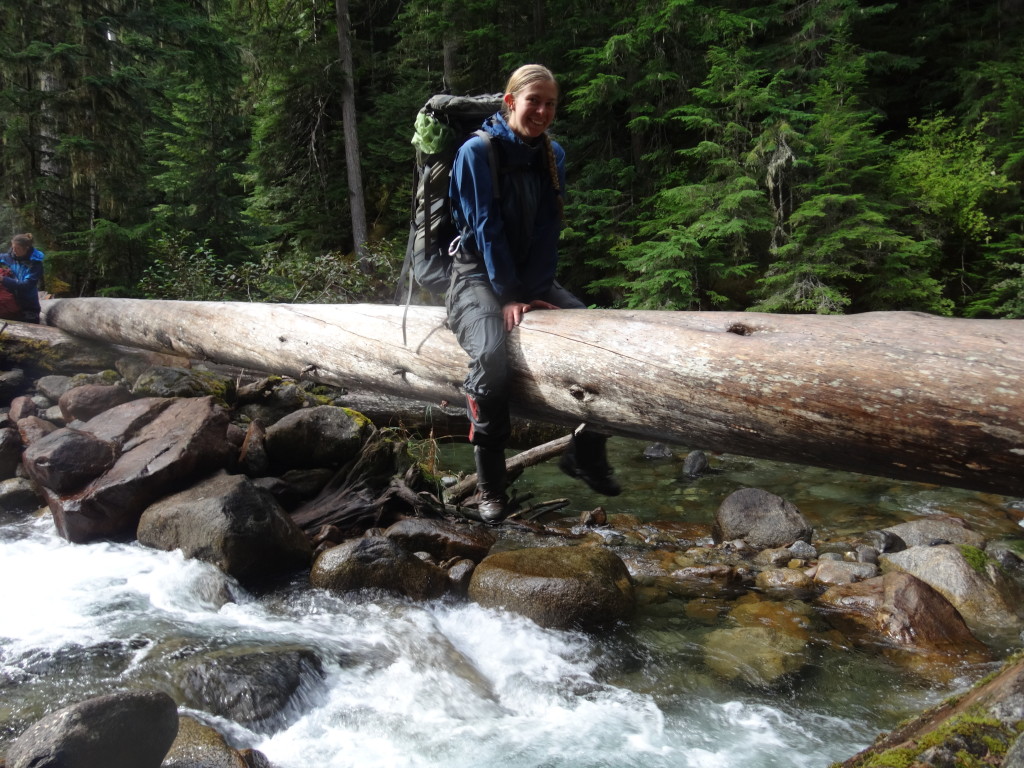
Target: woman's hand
<point>513,311</point>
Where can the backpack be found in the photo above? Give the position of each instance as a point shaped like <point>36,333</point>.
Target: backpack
<point>442,126</point>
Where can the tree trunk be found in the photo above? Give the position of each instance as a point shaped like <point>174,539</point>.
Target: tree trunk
<point>898,394</point>
<point>357,203</point>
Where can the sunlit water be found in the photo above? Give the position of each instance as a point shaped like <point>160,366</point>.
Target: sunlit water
<point>449,684</point>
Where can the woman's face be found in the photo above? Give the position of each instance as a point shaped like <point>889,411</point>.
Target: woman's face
<point>532,109</point>
<point>19,250</point>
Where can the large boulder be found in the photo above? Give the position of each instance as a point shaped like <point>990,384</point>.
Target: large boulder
<point>761,519</point>
<point>67,459</point>
<point>166,381</point>
<point>18,494</point>
<point>914,624</point>
<point>229,522</point>
<point>562,587</point>
<point>990,602</point>
<point>937,529</point>
<point>261,688</point>
<point>161,443</point>
<point>377,563</point>
<point>442,539</point>
<point>120,729</point>
<point>323,436</point>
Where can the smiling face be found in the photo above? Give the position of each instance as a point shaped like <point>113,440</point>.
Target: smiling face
<point>532,109</point>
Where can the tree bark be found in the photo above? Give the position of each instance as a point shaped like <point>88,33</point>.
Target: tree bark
<point>898,394</point>
<point>357,202</point>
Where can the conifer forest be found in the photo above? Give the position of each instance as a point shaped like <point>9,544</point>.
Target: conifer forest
<point>809,156</point>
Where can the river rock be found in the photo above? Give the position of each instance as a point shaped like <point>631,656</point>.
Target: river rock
<point>900,611</point>
<point>67,459</point>
<point>120,729</point>
<point>162,442</point>
<point>22,407</point>
<point>317,437</point>
<point>33,428</point>
<point>442,539</point>
<point>377,562</point>
<point>695,464</point>
<point>84,402</point>
<point>12,383</point>
<point>272,398</point>
<point>830,572</point>
<point>990,603</point>
<point>18,494</point>
<point>253,458</point>
<point>10,452</point>
<point>263,689</point>
<point>53,386</point>
<point>460,574</point>
<point>581,587</point>
<point>784,580</point>
<point>228,522</point>
<point>200,746</point>
<point>756,655</point>
<point>762,519</point>
<point>165,381</point>
<point>937,529</point>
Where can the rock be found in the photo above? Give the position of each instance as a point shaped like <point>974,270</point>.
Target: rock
<point>657,451</point>
<point>22,407</point>
<point>460,574</point>
<point>317,437</point>
<point>990,603</point>
<point>120,729</point>
<point>53,386</point>
<point>377,562</point>
<point>842,572</point>
<point>10,452</point>
<point>200,746</point>
<point>12,383</point>
<point>756,655</point>
<point>929,530</point>
<point>55,416</point>
<point>271,399</point>
<point>33,428</point>
<point>228,522</point>
<point>581,587</point>
<point>763,520</point>
<point>163,381</point>
<point>802,550</point>
<point>296,485</point>
<point>695,464</point>
<point>263,689</point>
<point>775,556</point>
<point>18,494</point>
<point>253,459</point>
<point>91,400</point>
<point>162,444</point>
<point>66,460</point>
<point>883,541</point>
<point>783,580</point>
<point>442,539</point>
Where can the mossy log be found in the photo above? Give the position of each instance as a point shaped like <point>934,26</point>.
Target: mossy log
<point>898,394</point>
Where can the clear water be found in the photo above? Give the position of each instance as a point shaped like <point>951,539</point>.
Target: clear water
<point>446,684</point>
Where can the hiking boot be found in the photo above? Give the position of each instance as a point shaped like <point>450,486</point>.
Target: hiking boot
<point>587,459</point>
<point>490,481</point>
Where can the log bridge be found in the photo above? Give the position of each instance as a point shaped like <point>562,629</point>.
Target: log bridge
<point>899,394</point>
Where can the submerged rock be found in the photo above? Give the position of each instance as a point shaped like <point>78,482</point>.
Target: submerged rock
<point>200,746</point>
<point>563,587</point>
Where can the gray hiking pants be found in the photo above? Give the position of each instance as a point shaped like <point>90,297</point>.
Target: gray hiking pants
<point>474,314</point>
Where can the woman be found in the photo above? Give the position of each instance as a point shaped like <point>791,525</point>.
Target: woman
<point>505,267</point>
<point>23,275</point>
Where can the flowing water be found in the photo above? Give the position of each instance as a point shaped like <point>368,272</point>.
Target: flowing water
<point>450,684</point>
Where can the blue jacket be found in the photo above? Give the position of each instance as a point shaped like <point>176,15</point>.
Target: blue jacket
<point>517,238</point>
<point>26,275</point>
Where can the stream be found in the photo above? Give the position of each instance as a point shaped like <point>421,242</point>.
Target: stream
<point>451,684</point>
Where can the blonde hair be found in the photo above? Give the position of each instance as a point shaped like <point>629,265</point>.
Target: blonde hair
<point>527,75</point>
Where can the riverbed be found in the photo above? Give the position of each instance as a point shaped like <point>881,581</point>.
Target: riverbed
<point>451,684</point>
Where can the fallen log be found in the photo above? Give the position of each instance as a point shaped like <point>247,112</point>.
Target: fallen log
<point>899,394</point>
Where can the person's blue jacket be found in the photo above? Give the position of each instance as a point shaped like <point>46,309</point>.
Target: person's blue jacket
<point>518,241</point>
<point>24,280</point>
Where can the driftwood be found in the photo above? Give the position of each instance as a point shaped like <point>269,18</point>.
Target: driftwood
<point>899,394</point>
